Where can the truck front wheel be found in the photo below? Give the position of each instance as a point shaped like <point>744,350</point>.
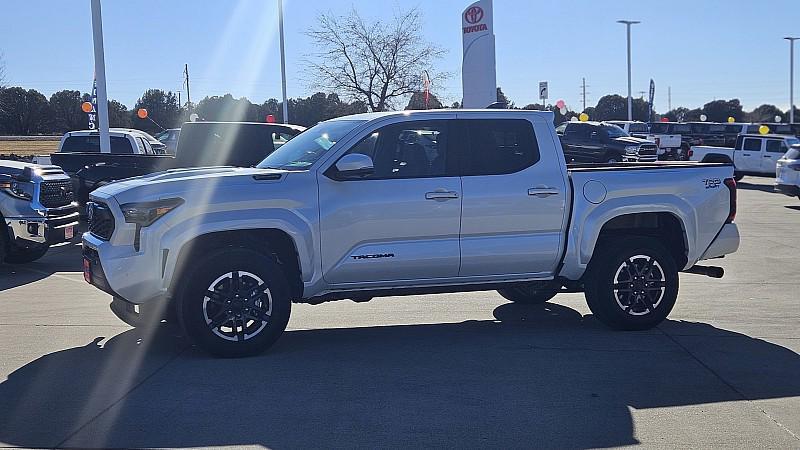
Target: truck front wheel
<point>631,283</point>
<point>23,255</point>
<point>234,302</point>
<point>532,293</point>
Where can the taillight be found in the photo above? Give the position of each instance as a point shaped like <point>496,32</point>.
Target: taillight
<point>731,184</point>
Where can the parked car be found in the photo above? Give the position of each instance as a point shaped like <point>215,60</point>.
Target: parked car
<point>669,140</point>
<point>397,203</point>
<point>733,130</point>
<point>36,210</point>
<point>242,144</point>
<point>169,138</point>
<point>124,141</point>
<point>632,127</point>
<point>707,133</point>
<point>604,142</point>
<point>787,172</point>
<point>753,154</point>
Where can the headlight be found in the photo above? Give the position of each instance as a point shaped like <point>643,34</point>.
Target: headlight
<point>21,190</point>
<point>145,213</point>
<point>632,149</point>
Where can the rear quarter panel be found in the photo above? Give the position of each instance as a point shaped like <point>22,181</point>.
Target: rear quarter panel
<point>696,196</point>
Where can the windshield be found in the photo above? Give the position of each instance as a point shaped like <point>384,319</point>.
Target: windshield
<point>614,131</point>
<point>792,141</point>
<point>309,146</point>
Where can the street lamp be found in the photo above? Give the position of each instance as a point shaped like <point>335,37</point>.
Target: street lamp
<point>791,77</point>
<point>628,24</point>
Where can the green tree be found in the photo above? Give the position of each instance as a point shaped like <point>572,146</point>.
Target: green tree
<point>162,107</point>
<point>764,113</point>
<point>502,98</point>
<point>611,107</point>
<point>417,101</point>
<point>228,108</point>
<point>24,112</point>
<point>67,113</point>
<point>118,115</point>
<point>720,110</point>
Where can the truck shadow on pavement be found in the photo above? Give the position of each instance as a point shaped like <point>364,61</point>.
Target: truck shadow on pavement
<point>538,376</point>
<point>64,258</point>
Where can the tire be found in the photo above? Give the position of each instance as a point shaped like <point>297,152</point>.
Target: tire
<point>24,255</point>
<point>254,318</point>
<point>612,158</point>
<point>530,293</point>
<point>738,177</point>
<point>622,265</point>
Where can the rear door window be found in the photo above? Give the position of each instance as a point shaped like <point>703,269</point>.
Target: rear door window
<point>74,144</point>
<point>776,146</point>
<point>499,147</point>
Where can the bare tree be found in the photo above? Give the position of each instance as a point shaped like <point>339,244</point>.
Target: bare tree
<point>374,62</point>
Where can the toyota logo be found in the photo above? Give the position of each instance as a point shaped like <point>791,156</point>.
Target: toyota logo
<point>474,14</point>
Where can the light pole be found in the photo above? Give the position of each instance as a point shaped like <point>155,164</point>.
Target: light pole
<point>628,24</point>
<point>283,63</point>
<point>791,77</point>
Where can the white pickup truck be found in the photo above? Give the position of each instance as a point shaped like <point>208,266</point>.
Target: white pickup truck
<point>754,154</point>
<point>399,203</point>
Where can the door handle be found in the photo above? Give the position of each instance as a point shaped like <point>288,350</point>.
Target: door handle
<point>543,192</point>
<point>745,154</point>
<point>766,156</point>
<point>441,195</point>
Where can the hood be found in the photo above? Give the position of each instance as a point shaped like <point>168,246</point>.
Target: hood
<point>182,182</point>
<point>16,168</point>
<point>630,140</point>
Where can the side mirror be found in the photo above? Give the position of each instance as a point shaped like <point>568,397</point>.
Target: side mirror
<point>355,165</point>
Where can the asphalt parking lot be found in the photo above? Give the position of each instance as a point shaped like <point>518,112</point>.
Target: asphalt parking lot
<point>466,370</point>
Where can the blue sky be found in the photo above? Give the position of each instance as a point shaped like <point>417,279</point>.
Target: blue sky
<point>703,49</point>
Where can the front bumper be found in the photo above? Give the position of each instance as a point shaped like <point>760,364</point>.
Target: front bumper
<point>54,227</point>
<point>788,189</point>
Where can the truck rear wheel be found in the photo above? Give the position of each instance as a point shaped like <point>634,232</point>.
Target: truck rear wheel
<point>23,255</point>
<point>631,283</point>
<point>234,302</point>
<point>532,293</point>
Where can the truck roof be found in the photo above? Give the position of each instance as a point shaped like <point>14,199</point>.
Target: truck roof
<point>771,135</point>
<point>294,127</point>
<point>116,131</point>
<point>422,112</point>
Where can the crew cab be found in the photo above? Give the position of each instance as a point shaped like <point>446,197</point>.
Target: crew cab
<point>36,210</point>
<point>398,203</point>
<point>242,144</point>
<point>601,142</point>
<point>754,154</point>
<point>124,141</point>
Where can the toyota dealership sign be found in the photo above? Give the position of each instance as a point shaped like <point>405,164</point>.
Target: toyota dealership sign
<point>478,76</point>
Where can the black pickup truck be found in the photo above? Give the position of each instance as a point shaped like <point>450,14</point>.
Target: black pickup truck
<point>602,142</point>
<point>241,144</point>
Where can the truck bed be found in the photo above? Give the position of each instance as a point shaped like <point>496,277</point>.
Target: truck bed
<point>590,167</point>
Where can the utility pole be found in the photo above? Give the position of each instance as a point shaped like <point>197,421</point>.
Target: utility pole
<point>100,73</point>
<point>180,105</point>
<point>641,94</point>
<point>583,93</point>
<point>791,77</point>
<point>186,80</point>
<point>283,63</point>
<point>628,24</point>
<point>669,98</point>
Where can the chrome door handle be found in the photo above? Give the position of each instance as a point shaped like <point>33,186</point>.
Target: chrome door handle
<point>745,154</point>
<point>441,195</point>
<point>543,192</point>
<point>766,156</point>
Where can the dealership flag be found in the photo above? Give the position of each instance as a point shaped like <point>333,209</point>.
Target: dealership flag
<point>93,114</point>
<point>478,76</point>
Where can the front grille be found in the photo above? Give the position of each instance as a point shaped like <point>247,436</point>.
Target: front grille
<point>55,194</point>
<point>647,149</point>
<point>101,221</point>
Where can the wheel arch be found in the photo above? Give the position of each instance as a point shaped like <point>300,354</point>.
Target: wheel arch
<point>273,242</point>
